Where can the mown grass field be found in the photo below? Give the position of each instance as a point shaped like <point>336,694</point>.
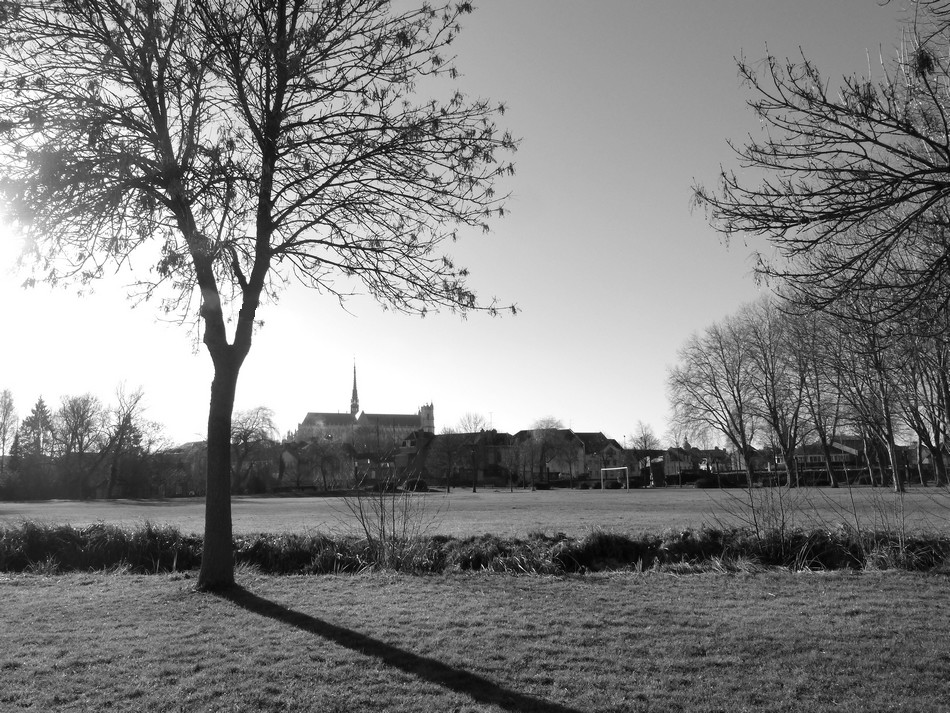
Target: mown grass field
<point>476,643</point>
<point>464,513</point>
<point>668,639</point>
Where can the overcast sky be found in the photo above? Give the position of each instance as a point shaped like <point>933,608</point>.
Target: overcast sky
<point>621,106</point>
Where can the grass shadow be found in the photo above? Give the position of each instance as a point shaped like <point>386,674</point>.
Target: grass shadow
<point>476,687</point>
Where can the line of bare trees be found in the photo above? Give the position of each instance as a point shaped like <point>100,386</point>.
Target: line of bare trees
<point>770,377</point>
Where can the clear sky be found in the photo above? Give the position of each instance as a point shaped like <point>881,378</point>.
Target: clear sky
<point>621,105</point>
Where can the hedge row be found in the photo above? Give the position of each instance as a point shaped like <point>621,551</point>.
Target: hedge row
<point>154,549</point>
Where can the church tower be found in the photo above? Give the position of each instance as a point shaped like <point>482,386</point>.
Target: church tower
<point>355,399</point>
<point>427,418</point>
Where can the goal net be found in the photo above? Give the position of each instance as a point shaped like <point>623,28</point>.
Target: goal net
<point>626,475</point>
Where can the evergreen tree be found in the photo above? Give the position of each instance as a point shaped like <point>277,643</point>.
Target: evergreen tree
<point>36,431</point>
<point>16,453</point>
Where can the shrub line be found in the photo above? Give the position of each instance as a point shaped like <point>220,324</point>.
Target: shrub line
<point>152,549</point>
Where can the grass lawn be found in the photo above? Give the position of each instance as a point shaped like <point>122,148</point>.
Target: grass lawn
<point>502,513</point>
<point>465,643</point>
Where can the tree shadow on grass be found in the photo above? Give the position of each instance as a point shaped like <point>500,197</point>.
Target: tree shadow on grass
<point>477,687</point>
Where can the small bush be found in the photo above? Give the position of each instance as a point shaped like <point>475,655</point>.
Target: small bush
<point>602,550</point>
<point>416,485</point>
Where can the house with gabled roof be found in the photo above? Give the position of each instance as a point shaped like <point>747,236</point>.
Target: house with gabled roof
<point>600,452</point>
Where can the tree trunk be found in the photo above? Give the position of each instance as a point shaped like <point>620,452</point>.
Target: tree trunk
<point>898,480</point>
<point>474,472</point>
<point>939,466</point>
<point>791,467</point>
<point>749,474</point>
<point>217,557</point>
<point>868,460</point>
<point>920,463</point>
<point>540,464</point>
<point>116,454</point>
<point>826,452</point>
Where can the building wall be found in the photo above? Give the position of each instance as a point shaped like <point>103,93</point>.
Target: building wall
<point>321,429</point>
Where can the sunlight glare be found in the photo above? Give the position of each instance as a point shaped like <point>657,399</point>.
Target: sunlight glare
<point>11,243</point>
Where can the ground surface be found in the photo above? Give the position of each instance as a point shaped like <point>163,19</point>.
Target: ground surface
<point>502,513</point>
<point>478,643</point>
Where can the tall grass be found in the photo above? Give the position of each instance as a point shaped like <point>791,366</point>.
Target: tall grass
<point>49,549</point>
<point>149,548</point>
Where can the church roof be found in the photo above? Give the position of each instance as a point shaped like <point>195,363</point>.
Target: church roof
<point>315,418</point>
<point>388,419</point>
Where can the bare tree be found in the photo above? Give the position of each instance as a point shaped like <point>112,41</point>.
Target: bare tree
<point>547,423</point>
<point>238,144</point>
<point>80,428</point>
<point>675,433</point>
<point>777,377</point>
<point>868,367</point>
<point>851,181</point>
<point>816,342</point>
<point>444,454</point>
<point>8,424</point>
<point>333,459</point>
<point>921,394</point>
<point>472,423</point>
<point>548,441</point>
<point>251,431</point>
<point>710,388</point>
<point>525,454</point>
<point>79,422</point>
<point>644,438</point>
<point>122,431</point>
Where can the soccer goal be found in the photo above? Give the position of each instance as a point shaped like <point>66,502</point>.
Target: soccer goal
<point>626,474</point>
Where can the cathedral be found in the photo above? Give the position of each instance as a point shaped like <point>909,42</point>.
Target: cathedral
<point>365,431</point>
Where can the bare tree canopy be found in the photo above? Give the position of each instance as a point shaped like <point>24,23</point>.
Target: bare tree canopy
<point>644,438</point>
<point>251,430</point>
<point>547,423</point>
<point>849,182</point>
<point>768,380</point>
<point>8,425</point>
<point>472,422</point>
<point>237,144</point>
<point>710,389</point>
<point>80,423</point>
<point>256,424</point>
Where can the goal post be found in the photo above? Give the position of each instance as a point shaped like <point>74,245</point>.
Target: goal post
<point>626,473</point>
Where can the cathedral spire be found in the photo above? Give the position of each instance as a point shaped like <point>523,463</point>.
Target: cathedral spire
<point>355,399</point>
